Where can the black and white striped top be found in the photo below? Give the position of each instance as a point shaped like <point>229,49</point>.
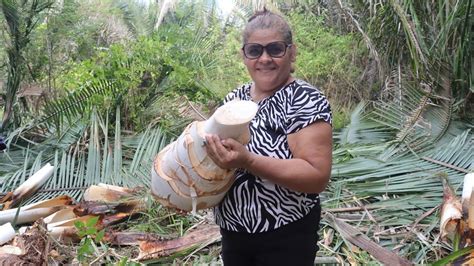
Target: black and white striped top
<point>255,204</point>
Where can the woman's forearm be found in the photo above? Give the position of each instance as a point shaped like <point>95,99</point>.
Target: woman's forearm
<point>296,174</point>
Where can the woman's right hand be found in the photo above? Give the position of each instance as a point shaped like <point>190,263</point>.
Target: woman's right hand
<point>228,153</point>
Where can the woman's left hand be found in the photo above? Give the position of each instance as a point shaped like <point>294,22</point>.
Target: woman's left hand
<point>227,153</point>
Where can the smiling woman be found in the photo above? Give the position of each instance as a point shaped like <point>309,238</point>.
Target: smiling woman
<point>270,216</point>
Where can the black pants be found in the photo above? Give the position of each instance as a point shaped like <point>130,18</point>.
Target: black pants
<point>292,244</point>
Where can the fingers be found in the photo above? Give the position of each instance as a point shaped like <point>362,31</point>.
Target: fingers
<point>215,144</point>
<point>220,151</point>
<point>214,147</point>
<point>230,144</point>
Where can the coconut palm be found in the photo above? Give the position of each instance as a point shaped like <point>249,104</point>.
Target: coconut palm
<point>21,18</point>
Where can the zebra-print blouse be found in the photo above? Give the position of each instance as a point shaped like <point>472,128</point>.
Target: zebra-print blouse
<point>254,204</point>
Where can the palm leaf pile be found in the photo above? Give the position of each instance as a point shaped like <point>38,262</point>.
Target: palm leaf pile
<point>388,172</point>
<point>391,160</point>
<point>84,154</point>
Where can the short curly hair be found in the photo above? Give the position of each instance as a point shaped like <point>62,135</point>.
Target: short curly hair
<point>265,19</point>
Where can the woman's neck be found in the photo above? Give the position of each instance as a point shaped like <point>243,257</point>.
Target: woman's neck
<point>257,94</point>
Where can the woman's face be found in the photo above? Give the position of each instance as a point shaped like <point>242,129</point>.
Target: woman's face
<point>269,73</point>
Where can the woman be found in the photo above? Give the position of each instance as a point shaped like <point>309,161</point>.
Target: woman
<point>271,214</point>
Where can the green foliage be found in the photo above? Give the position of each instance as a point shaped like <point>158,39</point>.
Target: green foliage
<point>456,257</point>
<point>231,71</point>
<point>321,52</point>
<point>433,44</point>
<point>340,117</point>
<point>161,220</point>
<point>327,59</point>
<point>149,68</point>
<point>89,235</point>
<point>125,262</point>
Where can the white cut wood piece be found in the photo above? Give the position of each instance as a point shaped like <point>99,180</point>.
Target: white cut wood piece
<point>231,119</point>
<point>7,233</point>
<point>116,188</point>
<point>467,188</point>
<point>104,193</point>
<point>33,183</point>
<point>32,212</point>
<point>61,215</point>
<point>69,222</point>
<point>11,250</point>
<point>183,175</point>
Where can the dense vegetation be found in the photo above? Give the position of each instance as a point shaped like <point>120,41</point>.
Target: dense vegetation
<point>97,88</point>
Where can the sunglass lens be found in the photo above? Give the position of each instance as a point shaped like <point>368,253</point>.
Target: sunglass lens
<point>253,50</point>
<point>276,49</point>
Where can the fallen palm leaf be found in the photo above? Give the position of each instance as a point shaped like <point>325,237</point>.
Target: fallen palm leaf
<point>131,238</point>
<point>91,207</point>
<point>152,250</point>
<point>7,233</point>
<point>354,236</point>
<point>454,257</point>
<point>30,186</point>
<point>33,212</point>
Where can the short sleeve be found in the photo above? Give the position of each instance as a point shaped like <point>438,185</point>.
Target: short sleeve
<point>237,94</point>
<point>230,96</point>
<point>307,106</point>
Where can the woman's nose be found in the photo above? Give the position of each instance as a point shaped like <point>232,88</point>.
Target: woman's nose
<point>265,56</point>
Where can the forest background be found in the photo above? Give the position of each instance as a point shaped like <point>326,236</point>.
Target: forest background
<point>97,88</point>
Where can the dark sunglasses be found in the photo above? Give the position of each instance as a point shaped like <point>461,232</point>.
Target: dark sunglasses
<point>274,49</point>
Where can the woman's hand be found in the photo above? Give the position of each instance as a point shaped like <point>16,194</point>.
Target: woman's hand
<point>228,153</point>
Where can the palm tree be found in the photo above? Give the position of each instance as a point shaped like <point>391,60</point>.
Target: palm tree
<point>21,18</point>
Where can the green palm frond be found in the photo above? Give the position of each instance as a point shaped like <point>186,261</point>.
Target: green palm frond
<point>83,155</point>
<point>10,13</point>
<point>414,39</point>
<point>362,131</point>
<point>417,115</point>
<point>401,192</point>
<point>77,103</point>
<point>22,159</point>
<point>140,17</point>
